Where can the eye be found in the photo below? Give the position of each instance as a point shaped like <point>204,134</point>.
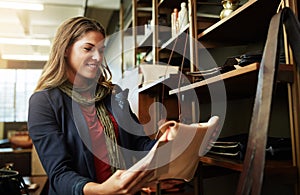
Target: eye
<point>87,48</point>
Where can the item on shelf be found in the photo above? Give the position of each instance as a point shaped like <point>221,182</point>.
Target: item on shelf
<point>228,149</point>
<point>149,27</point>
<point>232,61</point>
<point>182,16</point>
<point>249,58</point>
<point>174,22</point>
<point>244,59</point>
<point>234,147</point>
<point>153,72</point>
<point>229,6</point>
<point>138,58</point>
<point>205,74</point>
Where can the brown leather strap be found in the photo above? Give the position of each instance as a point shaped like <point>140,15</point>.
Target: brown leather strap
<point>251,177</point>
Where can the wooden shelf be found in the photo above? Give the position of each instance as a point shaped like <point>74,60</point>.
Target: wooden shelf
<point>169,80</point>
<point>237,165</point>
<point>249,22</point>
<point>236,80</point>
<point>169,4</point>
<point>238,83</point>
<point>181,37</point>
<point>222,162</point>
<point>274,169</point>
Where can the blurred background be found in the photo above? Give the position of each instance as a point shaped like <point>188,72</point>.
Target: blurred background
<point>27,28</point>
<point>31,24</point>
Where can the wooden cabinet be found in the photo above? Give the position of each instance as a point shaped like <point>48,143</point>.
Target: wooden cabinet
<point>245,30</point>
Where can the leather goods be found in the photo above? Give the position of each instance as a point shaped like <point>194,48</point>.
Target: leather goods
<point>194,140</point>
<point>177,156</point>
<point>232,150</point>
<point>251,177</point>
<point>249,58</point>
<point>205,74</point>
<point>234,147</point>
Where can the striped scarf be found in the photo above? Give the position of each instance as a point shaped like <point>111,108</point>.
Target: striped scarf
<point>102,114</point>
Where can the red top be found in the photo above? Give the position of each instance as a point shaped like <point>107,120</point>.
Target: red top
<point>101,159</point>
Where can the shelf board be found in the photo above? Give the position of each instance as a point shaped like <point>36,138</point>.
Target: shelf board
<point>148,86</point>
<point>235,165</point>
<point>231,74</point>
<point>274,169</point>
<point>211,9</point>
<point>247,23</point>
<point>169,80</point>
<point>181,35</point>
<point>169,4</point>
<point>241,82</point>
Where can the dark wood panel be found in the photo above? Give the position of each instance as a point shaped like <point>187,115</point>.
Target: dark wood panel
<point>248,23</point>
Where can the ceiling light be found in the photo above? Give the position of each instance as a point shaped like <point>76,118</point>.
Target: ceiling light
<point>20,5</point>
<point>25,57</point>
<point>25,41</point>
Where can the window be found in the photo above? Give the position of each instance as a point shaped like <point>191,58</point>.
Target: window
<point>16,87</point>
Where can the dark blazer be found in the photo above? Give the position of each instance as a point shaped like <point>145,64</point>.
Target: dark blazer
<point>60,134</point>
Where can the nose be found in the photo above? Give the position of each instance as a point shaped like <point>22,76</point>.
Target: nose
<point>96,55</point>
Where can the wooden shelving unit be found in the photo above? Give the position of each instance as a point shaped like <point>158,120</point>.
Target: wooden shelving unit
<point>246,25</point>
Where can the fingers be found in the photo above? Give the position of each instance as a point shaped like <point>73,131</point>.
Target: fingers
<point>140,181</point>
<point>130,174</point>
<point>133,181</point>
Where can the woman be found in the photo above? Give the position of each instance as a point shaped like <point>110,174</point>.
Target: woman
<point>79,121</point>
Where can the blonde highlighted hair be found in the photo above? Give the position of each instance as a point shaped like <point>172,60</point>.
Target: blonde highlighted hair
<point>55,69</point>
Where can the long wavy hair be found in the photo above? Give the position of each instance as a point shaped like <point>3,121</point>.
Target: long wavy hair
<point>55,69</point>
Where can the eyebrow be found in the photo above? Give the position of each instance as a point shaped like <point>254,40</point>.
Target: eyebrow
<point>103,46</point>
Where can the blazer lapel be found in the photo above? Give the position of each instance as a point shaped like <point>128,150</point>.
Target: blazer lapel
<point>74,110</point>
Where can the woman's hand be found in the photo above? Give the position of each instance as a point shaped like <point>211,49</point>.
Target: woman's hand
<point>121,182</point>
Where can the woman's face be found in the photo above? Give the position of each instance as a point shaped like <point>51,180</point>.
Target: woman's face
<point>85,57</point>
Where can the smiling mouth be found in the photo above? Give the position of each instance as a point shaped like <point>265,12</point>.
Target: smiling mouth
<point>93,65</point>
